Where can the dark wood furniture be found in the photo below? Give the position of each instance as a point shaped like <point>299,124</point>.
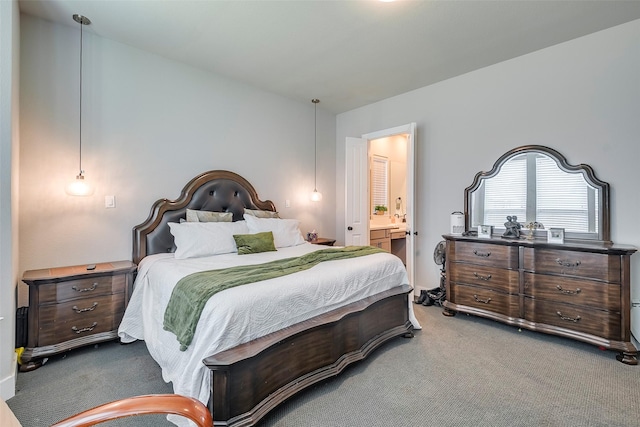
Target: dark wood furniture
<point>187,407</point>
<point>323,241</point>
<point>576,290</point>
<point>74,306</point>
<point>251,379</point>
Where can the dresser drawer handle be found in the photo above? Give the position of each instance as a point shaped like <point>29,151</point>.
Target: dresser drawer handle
<point>82,310</point>
<point>92,288</point>
<point>79,331</point>
<point>481,277</point>
<point>564,291</point>
<point>482,254</point>
<point>568,263</point>
<point>569,319</point>
<point>484,301</point>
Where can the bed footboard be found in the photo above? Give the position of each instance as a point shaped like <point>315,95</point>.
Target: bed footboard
<point>250,380</point>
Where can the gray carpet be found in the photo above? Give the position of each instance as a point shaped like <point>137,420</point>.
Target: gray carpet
<point>461,371</point>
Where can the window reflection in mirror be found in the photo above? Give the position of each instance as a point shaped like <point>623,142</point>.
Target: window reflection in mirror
<point>536,184</point>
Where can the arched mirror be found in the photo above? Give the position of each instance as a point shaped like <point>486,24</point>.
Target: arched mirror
<point>536,184</point>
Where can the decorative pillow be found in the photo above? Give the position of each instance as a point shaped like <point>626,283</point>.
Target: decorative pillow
<point>286,232</point>
<point>208,216</point>
<point>254,243</point>
<point>261,214</point>
<point>198,239</point>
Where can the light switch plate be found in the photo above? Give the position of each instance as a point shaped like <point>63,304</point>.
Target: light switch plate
<point>109,201</point>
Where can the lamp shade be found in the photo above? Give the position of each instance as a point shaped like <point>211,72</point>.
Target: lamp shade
<point>316,196</point>
<point>79,187</point>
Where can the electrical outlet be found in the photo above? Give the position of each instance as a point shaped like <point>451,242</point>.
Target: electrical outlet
<point>287,203</point>
<point>109,201</point>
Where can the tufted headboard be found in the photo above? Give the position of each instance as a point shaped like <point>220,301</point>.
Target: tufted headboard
<point>217,191</point>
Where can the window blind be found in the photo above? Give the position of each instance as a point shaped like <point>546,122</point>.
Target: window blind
<point>380,181</point>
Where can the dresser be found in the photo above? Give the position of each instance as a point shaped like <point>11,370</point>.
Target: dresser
<point>577,290</point>
<point>74,306</point>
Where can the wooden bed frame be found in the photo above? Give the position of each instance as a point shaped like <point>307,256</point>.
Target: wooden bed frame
<point>251,379</point>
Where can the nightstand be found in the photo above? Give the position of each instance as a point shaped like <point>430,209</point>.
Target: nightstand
<point>74,306</point>
<point>323,241</point>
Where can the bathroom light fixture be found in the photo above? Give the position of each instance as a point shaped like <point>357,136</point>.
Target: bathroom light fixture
<point>316,196</point>
<point>79,186</point>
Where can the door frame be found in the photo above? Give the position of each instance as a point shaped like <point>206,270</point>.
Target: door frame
<point>410,130</point>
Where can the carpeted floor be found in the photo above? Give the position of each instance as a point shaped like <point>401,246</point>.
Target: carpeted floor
<point>460,371</point>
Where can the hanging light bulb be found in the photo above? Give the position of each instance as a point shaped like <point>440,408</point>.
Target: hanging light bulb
<point>80,186</point>
<point>316,196</point>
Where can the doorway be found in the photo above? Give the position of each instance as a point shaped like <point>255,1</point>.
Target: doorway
<point>360,217</point>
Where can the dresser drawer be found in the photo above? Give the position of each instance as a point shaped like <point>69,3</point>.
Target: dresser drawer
<point>600,295</point>
<point>489,277</point>
<point>78,318</point>
<point>576,318</point>
<point>81,288</point>
<point>379,234</point>
<point>491,255</point>
<point>573,263</point>
<point>485,299</point>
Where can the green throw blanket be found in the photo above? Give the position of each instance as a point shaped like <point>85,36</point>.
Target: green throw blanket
<point>193,291</point>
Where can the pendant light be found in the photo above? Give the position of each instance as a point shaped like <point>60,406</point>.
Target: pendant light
<point>316,196</point>
<point>80,186</point>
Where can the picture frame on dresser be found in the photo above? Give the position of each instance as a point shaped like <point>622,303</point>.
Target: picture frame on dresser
<point>485,231</point>
<point>555,235</point>
<point>568,280</point>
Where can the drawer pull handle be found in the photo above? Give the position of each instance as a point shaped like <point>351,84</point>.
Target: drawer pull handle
<point>484,301</point>
<point>568,263</point>
<point>82,310</point>
<point>482,254</point>
<point>566,292</point>
<point>92,288</point>
<point>570,319</point>
<point>481,277</point>
<point>79,331</point>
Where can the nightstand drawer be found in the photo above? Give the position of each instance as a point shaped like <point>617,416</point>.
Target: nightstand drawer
<point>81,288</point>
<point>70,330</point>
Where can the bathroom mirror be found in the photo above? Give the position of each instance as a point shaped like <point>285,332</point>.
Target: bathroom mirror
<point>536,184</point>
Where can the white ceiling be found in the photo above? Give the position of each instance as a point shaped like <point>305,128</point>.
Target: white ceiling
<point>346,53</point>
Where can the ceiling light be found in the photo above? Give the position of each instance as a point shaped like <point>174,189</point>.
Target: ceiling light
<point>80,186</point>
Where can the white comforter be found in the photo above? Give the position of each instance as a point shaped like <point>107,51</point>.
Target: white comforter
<point>243,313</point>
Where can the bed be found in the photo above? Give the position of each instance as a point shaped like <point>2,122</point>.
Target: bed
<point>258,344</point>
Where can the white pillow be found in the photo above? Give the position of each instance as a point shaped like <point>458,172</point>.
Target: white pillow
<point>207,216</point>
<point>198,239</point>
<point>286,232</point>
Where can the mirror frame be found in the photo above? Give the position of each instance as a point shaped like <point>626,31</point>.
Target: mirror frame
<point>604,234</point>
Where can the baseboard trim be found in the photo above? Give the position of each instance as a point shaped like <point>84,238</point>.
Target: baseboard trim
<point>8,384</point>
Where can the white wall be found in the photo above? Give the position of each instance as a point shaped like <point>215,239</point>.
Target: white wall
<point>9,82</point>
<point>581,98</point>
<point>149,126</point>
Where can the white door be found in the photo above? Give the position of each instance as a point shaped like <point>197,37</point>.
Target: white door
<point>411,203</point>
<point>357,192</point>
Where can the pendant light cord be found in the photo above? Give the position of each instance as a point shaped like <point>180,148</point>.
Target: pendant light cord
<point>315,144</point>
<point>81,25</point>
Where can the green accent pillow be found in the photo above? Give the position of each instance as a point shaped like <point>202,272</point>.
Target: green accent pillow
<point>254,243</point>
